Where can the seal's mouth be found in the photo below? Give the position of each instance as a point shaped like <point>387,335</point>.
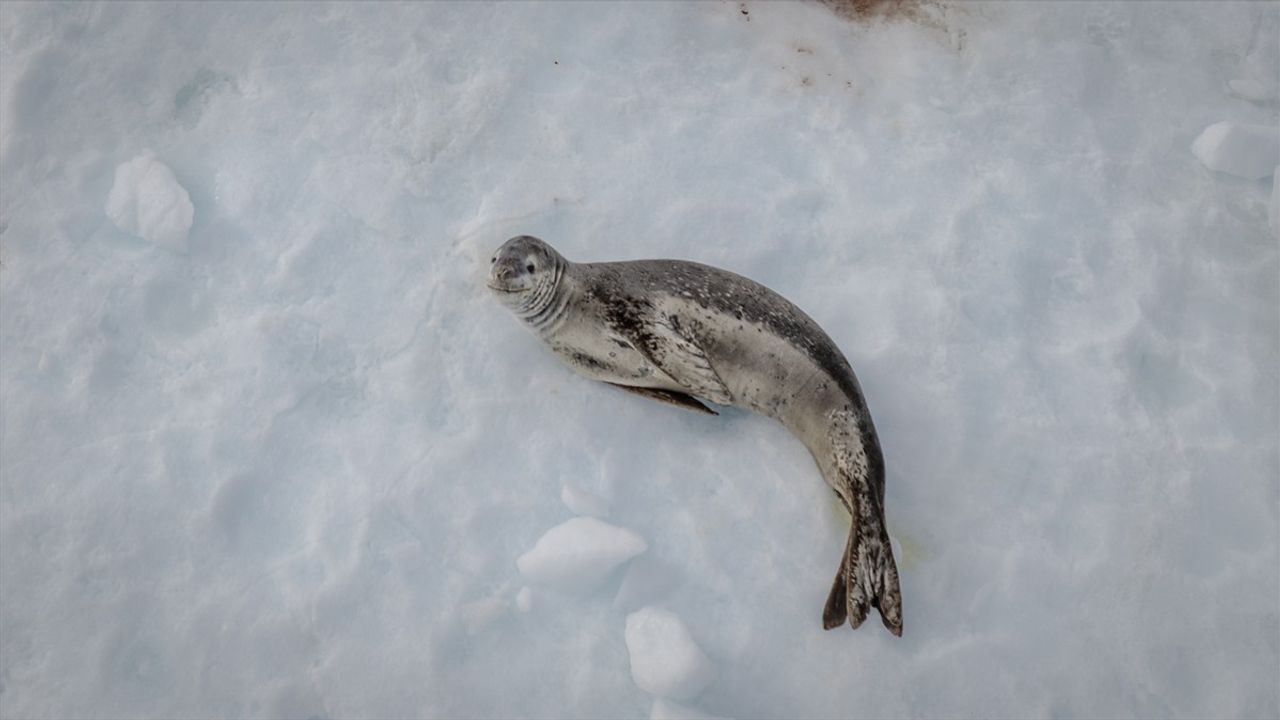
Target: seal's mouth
<point>498,288</point>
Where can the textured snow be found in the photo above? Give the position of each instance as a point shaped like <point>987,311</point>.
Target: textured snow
<point>665,660</point>
<point>480,614</point>
<point>647,580</point>
<point>146,200</point>
<point>667,710</point>
<point>1250,89</point>
<point>288,471</point>
<point>579,554</point>
<point>1273,209</point>
<point>583,502</point>
<point>1247,151</point>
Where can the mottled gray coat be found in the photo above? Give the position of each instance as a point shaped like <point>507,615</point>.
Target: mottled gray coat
<point>683,332</point>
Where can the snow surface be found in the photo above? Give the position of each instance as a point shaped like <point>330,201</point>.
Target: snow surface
<point>665,659</point>
<point>524,599</point>
<point>1273,210</point>
<point>579,554</point>
<point>288,472</point>
<point>1250,89</point>
<point>480,614</point>
<point>583,502</point>
<point>647,580</point>
<point>667,710</point>
<point>1247,151</point>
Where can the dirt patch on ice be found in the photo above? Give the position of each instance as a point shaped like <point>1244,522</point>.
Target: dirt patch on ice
<point>936,15</point>
<point>866,10</point>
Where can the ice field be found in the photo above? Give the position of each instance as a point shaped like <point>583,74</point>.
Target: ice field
<point>268,448</point>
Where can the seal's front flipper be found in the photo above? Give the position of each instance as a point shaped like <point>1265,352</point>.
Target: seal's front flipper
<point>666,343</point>
<point>671,397</point>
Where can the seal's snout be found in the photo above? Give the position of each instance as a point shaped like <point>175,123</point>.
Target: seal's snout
<point>506,273</point>
<point>522,265</point>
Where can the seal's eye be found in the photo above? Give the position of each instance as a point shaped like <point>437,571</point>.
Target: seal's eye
<point>493,260</point>
<point>529,267</point>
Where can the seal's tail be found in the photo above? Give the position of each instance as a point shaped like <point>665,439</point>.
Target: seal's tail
<point>868,577</point>
<point>853,466</point>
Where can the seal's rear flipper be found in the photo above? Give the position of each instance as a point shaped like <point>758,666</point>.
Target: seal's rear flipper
<point>836,610</point>
<point>671,397</point>
<point>868,577</point>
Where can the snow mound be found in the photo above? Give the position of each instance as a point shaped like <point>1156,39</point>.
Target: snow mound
<point>576,556</point>
<point>667,710</point>
<point>584,502</point>
<point>665,661</point>
<point>146,200</point>
<point>1247,151</point>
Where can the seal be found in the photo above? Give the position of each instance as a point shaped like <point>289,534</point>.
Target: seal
<point>688,334</point>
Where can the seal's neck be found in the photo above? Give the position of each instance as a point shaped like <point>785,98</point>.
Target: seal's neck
<point>548,303</point>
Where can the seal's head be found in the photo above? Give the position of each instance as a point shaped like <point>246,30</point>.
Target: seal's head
<point>524,274</point>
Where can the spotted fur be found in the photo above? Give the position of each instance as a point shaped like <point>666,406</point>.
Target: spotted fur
<point>683,332</point>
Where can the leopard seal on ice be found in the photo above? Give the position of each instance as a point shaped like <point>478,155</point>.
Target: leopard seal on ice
<point>686,333</point>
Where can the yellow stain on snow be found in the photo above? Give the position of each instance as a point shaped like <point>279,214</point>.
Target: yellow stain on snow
<point>914,552</point>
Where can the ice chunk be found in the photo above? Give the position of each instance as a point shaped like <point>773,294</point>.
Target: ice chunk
<point>667,710</point>
<point>584,502</point>
<point>1273,212</point>
<point>524,599</point>
<point>576,556</point>
<point>1250,90</point>
<point>146,200</point>
<point>1247,151</point>
<point>665,661</point>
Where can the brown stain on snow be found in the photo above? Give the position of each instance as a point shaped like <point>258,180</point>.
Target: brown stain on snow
<point>867,10</point>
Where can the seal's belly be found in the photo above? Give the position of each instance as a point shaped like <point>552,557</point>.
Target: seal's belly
<point>762,372</point>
